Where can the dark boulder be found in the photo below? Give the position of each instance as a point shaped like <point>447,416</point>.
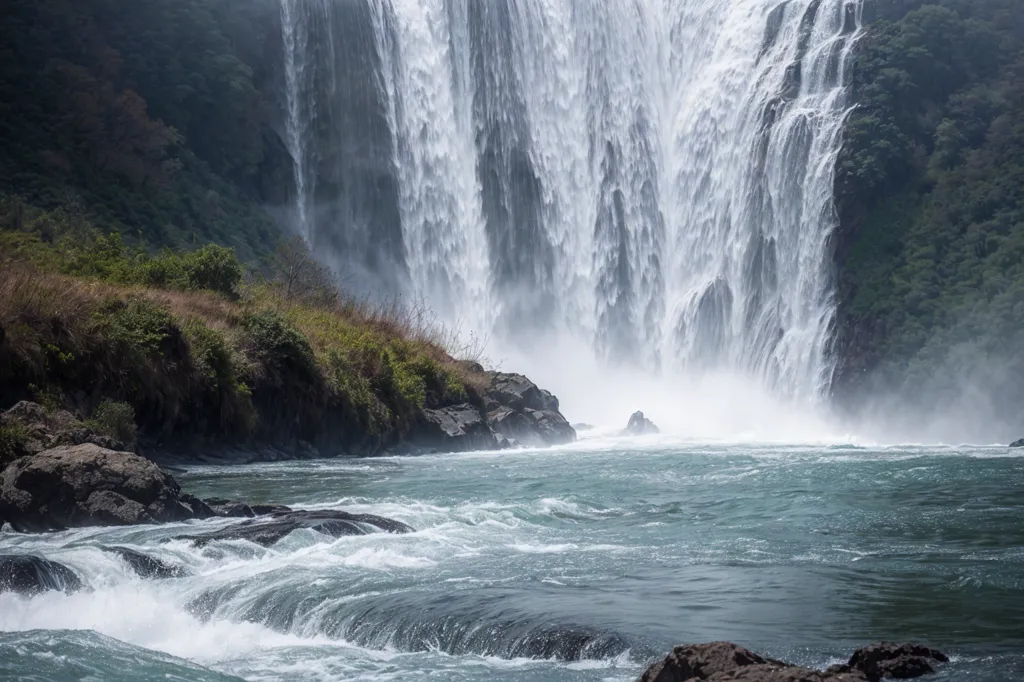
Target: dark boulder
<point>724,661</point>
<point>897,661</point>
<point>519,393</point>
<point>456,429</point>
<point>552,426</point>
<point>86,485</point>
<point>269,530</point>
<point>639,425</point>
<point>532,428</point>
<point>31,575</point>
<point>234,509</point>
<point>1017,443</point>
<point>515,426</point>
<point>229,508</point>
<point>146,566</point>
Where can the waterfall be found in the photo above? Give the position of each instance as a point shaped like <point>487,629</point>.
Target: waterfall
<point>650,177</point>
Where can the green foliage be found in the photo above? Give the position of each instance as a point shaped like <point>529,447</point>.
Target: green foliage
<point>13,443</point>
<point>931,186</point>
<point>143,116</point>
<point>274,343</point>
<point>136,323</point>
<point>114,419</point>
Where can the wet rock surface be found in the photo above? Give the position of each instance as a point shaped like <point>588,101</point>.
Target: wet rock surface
<point>146,566</point>
<point>29,575</point>
<point>456,429</point>
<point>268,530</point>
<point>87,485</point>
<point>725,661</point>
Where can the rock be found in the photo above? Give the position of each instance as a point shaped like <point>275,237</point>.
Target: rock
<point>552,426</point>
<point>532,428</point>
<point>519,393</point>
<point>45,430</point>
<point>146,566</point>
<point>87,485</point>
<point>268,531</point>
<point>898,661</point>
<point>516,426</point>
<point>456,429</point>
<point>639,425</point>
<point>1017,443</point>
<point>30,575</point>
<point>724,661</point>
<point>229,508</point>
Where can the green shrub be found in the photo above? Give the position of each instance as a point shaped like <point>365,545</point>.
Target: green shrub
<point>213,268</point>
<point>13,442</point>
<point>114,419</point>
<point>275,344</point>
<point>136,322</point>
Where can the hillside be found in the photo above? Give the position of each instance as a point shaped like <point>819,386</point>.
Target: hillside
<point>154,119</point>
<point>930,187</point>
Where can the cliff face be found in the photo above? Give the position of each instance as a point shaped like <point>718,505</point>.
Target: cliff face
<point>930,191</point>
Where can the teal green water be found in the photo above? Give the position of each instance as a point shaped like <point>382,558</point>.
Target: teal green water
<point>576,564</point>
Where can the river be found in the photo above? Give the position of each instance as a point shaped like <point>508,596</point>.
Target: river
<point>582,563</point>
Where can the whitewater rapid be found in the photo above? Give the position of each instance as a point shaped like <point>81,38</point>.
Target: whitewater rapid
<point>578,564</point>
<point>647,181</point>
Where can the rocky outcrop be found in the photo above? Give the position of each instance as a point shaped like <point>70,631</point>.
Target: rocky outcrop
<point>41,429</point>
<point>724,661</point>
<point>518,393</point>
<point>524,413</point>
<point>457,429</point>
<point>1017,443</point>
<point>146,566</point>
<point>26,574</point>
<point>87,485</point>
<point>639,425</point>
<point>268,531</point>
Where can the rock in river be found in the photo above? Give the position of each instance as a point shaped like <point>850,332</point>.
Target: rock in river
<point>456,429</point>
<point>724,661</point>
<point>1017,443</point>
<point>268,530</point>
<point>639,425</point>
<point>26,574</point>
<point>87,485</point>
<point>146,566</point>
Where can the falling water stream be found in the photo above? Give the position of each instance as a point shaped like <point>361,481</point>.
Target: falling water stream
<point>650,178</point>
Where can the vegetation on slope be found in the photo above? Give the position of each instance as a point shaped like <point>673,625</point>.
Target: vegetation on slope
<point>151,117</point>
<point>199,355</point>
<point>931,195</point>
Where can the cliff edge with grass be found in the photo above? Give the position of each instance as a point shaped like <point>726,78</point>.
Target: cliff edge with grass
<point>196,355</point>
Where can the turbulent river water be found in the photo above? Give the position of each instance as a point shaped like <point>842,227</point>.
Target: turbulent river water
<point>580,563</point>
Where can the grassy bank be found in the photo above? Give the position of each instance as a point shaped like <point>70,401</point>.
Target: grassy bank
<point>202,351</point>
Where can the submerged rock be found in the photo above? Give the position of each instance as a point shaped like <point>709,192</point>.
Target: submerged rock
<point>639,425</point>
<point>269,530</point>
<point>233,509</point>
<point>723,661</point>
<point>87,485</point>
<point>146,566</point>
<point>26,574</point>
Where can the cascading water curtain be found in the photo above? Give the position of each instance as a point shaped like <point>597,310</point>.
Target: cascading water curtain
<point>652,177</point>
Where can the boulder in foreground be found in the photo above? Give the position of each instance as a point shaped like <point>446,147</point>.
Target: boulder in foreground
<point>725,662</point>
<point>26,574</point>
<point>87,485</point>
